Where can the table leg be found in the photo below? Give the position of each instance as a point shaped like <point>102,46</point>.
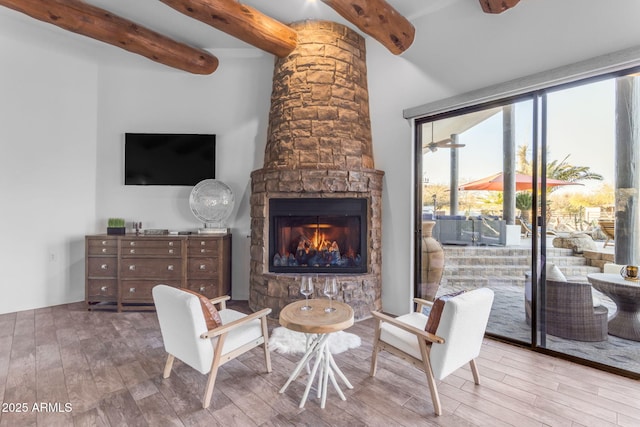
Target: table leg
<point>324,366</point>
<point>339,372</point>
<point>310,350</point>
<point>319,347</point>
<point>308,341</point>
<point>625,324</point>
<point>335,386</point>
<point>326,354</point>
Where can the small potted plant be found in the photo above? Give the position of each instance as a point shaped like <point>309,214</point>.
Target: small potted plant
<point>115,226</point>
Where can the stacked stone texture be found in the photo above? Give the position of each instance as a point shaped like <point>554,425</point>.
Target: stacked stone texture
<point>319,117</point>
<point>319,146</point>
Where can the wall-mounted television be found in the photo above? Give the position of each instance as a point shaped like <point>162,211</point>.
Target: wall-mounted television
<point>168,158</point>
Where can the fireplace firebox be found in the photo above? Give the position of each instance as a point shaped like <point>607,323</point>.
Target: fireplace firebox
<point>318,235</point>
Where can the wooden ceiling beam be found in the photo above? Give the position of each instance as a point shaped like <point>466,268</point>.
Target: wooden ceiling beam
<point>497,6</point>
<point>242,22</point>
<point>99,24</point>
<point>378,19</point>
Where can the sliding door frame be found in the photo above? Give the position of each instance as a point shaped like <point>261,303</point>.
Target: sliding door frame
<point>534,87</point>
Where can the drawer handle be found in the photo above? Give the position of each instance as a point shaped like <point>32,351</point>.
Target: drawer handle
<point>132,267</point>
<point>104,266</point>
<point>132,251</point>
<point>170,243</point>
<point>170,267</point>
<point>202,288</point>
<point>104,242</point>
<point>104,250</point>
<point>132,290</point>
<point>170,251</point>
<point>132,243</point>
<point>203,243</point>
<point>203,251</point>
<point>104,289</point>
<point>203,266</point>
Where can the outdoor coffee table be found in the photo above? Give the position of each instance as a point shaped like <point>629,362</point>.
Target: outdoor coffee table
<point>317,325</point>
<point>625,323</point>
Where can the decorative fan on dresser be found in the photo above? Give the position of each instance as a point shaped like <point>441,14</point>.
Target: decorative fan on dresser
<point>212,202</point>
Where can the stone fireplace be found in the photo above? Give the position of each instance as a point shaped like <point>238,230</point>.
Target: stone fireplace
<point>316,204</point>
<point>317,235</point>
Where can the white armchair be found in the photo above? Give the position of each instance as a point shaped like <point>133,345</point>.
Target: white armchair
<point>457,339</point>
<point>185,335</point>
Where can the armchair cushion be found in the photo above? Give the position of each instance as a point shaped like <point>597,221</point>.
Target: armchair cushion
<point>240,335</point>
<point>403,340</point>
<point>211,315</point>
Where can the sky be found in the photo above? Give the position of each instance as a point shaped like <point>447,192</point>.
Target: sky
<point>580,125</point>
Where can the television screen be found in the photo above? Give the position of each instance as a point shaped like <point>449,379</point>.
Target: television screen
<point>168,159</point>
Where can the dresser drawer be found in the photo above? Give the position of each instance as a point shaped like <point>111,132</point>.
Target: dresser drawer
<point>208,288</point>
<point>151,247</point>
<point>102,267</point>
<point>103,289</point>
<point>102,246</point>
<point>139,291</point>
<point>128,251</point>
<point>146,267</point>
<point>202,267</point>
<point>204,247</point>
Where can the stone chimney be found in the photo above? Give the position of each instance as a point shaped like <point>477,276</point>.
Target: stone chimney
<point>319,146</point>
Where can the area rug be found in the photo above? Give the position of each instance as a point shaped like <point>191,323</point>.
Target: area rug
<point>286,341</point>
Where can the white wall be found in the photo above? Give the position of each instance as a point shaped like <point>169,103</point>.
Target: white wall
<point>62,122</point>
<point>232,103</point>
<point>47,174</point>
<point>457,50</point>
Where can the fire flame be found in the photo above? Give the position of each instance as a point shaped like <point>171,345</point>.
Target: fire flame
<point>319,241</point>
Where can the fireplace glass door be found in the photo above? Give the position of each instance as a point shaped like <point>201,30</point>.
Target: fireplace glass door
<point>317,235</point>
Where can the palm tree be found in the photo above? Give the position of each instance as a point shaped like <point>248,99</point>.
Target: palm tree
<point>557,169</point>
<point>567,172</point>
<point>524,165</point>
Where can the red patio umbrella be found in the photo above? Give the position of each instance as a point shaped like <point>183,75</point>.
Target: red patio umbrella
<point>523,182</point>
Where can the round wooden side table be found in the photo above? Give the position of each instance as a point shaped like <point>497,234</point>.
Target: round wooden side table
<point>317,325</point>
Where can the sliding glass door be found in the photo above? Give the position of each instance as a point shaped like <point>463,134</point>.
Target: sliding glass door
<point>475,199</point>
<point>523,196</point>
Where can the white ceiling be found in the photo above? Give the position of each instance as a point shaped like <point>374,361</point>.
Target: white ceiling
<point>159,17</point>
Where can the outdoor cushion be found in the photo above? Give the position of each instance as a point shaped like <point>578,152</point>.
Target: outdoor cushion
<point>554,273</point>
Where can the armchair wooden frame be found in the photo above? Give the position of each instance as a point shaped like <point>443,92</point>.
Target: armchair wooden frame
<point>425,340</point>
<point>218,336</point>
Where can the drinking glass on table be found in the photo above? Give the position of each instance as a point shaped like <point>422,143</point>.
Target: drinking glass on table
<point>330,290</point>
<point>306,289</point>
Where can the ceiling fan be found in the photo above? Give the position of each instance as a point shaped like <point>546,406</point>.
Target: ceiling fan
<point>443,143</point>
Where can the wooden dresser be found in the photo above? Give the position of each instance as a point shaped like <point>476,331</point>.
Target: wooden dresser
<point>122,270</point>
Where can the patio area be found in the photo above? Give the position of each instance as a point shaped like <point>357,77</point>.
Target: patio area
<point>502,269</point>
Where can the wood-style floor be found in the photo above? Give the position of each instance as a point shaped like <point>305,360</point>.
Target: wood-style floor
<point>66,366</point>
